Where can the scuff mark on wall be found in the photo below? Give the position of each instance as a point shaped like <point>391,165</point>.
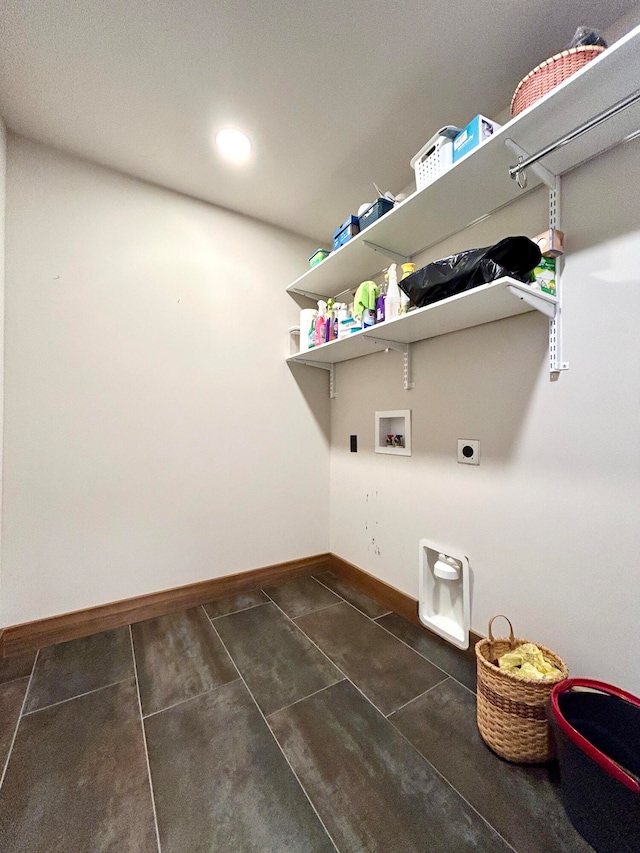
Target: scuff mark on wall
<point>371,522</point>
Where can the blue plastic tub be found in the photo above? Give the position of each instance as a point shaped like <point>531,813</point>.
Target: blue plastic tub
<point>375,211</point>
<point>345,232</point>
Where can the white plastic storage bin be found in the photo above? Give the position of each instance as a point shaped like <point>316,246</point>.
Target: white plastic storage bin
<point>434,158</point>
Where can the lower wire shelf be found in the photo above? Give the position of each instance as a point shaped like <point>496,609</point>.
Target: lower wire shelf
<point>497,300</point>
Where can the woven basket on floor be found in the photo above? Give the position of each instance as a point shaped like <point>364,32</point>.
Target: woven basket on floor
<point>550,74</point>
<point>512,709</point>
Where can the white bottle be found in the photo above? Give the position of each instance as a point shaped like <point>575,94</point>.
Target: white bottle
<point>392,302</point>
<point>341,315</point>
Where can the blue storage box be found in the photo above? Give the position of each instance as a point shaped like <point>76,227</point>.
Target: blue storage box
<point>345,232</point>
<point>377,209</point>
<point>479,129</point>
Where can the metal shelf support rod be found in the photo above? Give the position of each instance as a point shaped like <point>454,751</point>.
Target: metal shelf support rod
<point>537,168</point>
<point>618,107</point>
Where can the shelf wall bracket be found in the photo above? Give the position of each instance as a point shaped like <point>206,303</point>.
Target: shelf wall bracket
<point>333,392</point>
<point>519,172</point>
<point>388,253</point>
<point>308,294</point>
<point>533,298</point>
<point>405,349</point>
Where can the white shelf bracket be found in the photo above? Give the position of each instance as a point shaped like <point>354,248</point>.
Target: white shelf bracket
<point>535,299</point>
<point>521,175</point>
<point>405,349</point>
<point>333,393</point>
<point>388,253</point>
<point>308,294</point>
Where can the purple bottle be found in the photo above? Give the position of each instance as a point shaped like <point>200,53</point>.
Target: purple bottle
<point>380,307</point>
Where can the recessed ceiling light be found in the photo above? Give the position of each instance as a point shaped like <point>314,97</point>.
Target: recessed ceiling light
<point>234,145</point>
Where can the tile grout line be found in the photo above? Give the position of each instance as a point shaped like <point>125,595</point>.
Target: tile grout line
<point>19,678</point>
<point>284,755</point>
<point>247,686</point>
<point>473,692</point>
<point>224,646</point>
<point>233,612</point>
<point>302,698</point>
<point>393,612</point>
<point>414,748</point>
<point>346,677</point>
<point>15,731</point>
<point>353,607</point>
<point>144,741</point>
<point>77,696</point>
<point>189,698</point>
<point>372,618</point>
<point>424,657</point>
<point>396,729</point>
<point>293,622</point>
<point>384,717</point>
<point>450,784</point>
<point>310,612</point>
<point>420,695</point>
<point>366,698</point>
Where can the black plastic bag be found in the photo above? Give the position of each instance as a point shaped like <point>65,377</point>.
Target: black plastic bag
<point>587,36</point>
<point>513,256</point>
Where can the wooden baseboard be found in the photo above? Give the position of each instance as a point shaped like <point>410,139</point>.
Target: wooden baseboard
<point>30,636</point>
<point>387,595</point>
<point>377,589</point>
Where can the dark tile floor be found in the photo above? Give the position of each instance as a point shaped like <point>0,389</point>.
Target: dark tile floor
<point>302,718</point>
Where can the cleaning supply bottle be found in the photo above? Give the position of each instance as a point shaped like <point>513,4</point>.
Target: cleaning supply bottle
<point>407,270</point>
<point>320,323</point>
<point>329,323</point>
<point>341,314</point>
<point>312,330</point>
<point>392,303</point>
<point>380,315</point>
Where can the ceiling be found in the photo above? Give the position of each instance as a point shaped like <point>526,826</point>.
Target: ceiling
<point>334,95</point>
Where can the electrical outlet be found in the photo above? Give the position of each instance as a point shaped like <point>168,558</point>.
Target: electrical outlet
<point>469,451</point>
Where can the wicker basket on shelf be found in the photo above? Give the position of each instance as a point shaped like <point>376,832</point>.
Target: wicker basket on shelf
<point>511,709</point>
<point>550,74</point>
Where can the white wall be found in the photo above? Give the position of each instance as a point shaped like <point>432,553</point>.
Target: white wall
<point>549,519</point>
<point>154,435</point>
<point>3,185</point>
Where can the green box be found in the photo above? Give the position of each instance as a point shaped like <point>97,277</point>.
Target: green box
<point>545,275</point>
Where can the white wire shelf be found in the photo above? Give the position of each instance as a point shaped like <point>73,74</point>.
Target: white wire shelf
<point>480,184</point>
<point>503,298</point>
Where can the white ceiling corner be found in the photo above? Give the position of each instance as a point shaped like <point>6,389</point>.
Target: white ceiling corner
<point>334,95</point>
